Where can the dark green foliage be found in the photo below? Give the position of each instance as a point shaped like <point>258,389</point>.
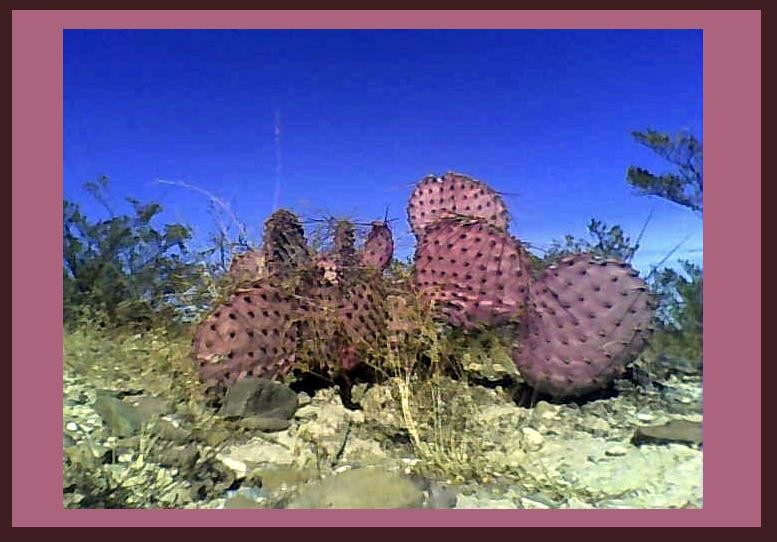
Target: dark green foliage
<point>124,270</point>
<point>680,310</point>
<point>685,186</point>
<point>606,241</point>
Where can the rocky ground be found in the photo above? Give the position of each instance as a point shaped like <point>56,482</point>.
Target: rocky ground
<point>441,444</point>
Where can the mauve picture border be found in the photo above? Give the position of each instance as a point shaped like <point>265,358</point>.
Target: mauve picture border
<point>732,141</point>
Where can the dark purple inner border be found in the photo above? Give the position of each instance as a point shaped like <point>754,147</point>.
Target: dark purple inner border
<point>732,124</point>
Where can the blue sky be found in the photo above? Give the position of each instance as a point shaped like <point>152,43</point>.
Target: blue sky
<point>543,116</point>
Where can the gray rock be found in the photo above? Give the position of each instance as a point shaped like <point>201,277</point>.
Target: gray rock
<point>168,431</point>
<point>184,457</point>
<point>488,502</point>
<point>257,396</point>
<point>241,501</point>
<point>122,419</point>
<point>675,431</point>
<point>441,495</point>
<point>149,407</point>
<point>267,425</point>
<point>366,488</point>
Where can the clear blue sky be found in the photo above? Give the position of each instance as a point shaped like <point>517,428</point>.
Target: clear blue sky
<point>544,116</point>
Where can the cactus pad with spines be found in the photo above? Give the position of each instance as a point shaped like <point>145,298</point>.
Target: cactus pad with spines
<point>475,273</point>
<point>454,194</point>
<point>253,334</point>
<point>284,246</point>
<point>589,317</point>
<point>378,249</point>
<point>344,245</point>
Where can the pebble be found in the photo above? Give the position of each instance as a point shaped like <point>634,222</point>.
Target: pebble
<point>71,426</point>
<point>546,411</point>
<point>533,505</point>
<point>532,438</point>
<point>616,451</point>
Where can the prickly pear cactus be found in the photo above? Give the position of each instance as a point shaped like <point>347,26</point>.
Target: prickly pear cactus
<point>454,194</point>
<point>589,317</point>
<point>284,246</point>
<point>343,323</point>
<point>474,273</point>
<point>379,247</point>
<point>253,334</point>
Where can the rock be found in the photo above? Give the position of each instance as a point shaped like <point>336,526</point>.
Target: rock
<point>240,501</point>
<point>546,411</point>
<point>168,431</point>
<point>484,502</point>
<point>235,465</point>
<point>267,425</point>
<point>87,456</point>
<point>273,479</point>
<point>71,426</point>
<point>149,407</point>
<point>574,502</point>
<point>595,426</point>
<point>441,495</point>
<point>616,451</point>
<point>216,437</point>
<point>122,419</point>
<point>258,396</point>
<point>366,488</point>
<point>532,438</point>
<point>675,431</point>
<point>184,457</point>
<point>532,504</point>
<point>244,457</point>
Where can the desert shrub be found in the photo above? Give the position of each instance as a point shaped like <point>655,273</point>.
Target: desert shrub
<point>126,270</point>
<point>606,241</point>
<point>680,311</point>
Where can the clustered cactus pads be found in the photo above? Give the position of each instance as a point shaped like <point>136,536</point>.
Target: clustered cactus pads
<point>574,327</point>
<point>327,306</point>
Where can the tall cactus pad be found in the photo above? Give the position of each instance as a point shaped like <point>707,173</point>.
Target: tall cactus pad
<point>344,249</point>
<point>379,247</point>
<point>589,317</point>
<point>284,246</point>
<point>475,273</point>
<point>253,334</point>
<point>451,195</point>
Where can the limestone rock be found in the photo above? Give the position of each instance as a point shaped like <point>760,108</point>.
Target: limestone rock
<point>366,488</point>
